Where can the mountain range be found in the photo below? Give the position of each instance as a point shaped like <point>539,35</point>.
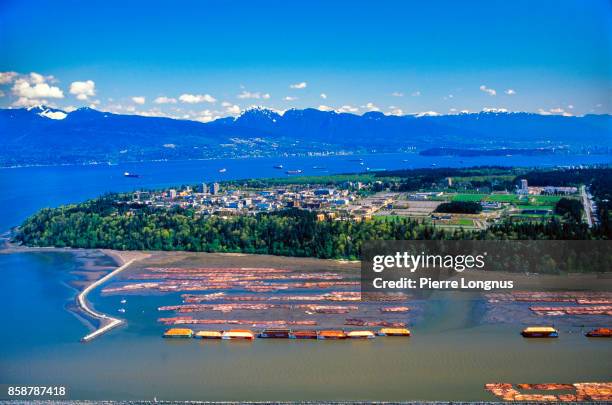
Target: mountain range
<point>43,135</point>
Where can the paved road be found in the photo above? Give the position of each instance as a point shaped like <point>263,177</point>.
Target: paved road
<point>586,203</point>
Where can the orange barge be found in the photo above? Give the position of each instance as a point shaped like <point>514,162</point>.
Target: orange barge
<point>178,333</point>
<point>208,334</point>
<point>331,334</point>
<point>599,332</point>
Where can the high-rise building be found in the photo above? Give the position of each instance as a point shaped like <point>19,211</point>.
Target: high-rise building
<point>524,185</point>
<point>203,188</point>
<point>172,193</point>
<point>214,188</point>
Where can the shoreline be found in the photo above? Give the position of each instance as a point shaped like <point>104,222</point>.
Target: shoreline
<point>107,322</point>
<point>122,259</point>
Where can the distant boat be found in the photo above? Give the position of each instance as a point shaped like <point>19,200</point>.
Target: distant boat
<point>355,160</point>
<point>293,171</point>
<point>128,174</point>
<point>278,166</point>
<point>222,170</point>
<point>318,167</point>
<point>123,301</point>
<point>375,170</point>
<point>122,310</point>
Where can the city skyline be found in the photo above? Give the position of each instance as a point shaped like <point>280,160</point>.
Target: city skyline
<point>209,60</point>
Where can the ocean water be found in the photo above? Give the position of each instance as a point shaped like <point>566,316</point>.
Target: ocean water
<point>451,356</point>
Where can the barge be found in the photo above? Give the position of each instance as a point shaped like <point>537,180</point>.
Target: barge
<point>394,332</point>
<point>178,333</point>
<point>304,334</point>
<point>599,332</point>
<point>540,332</point>
<point>208,334</point>
<point>331,334</point>
<point>275,333</point>
<point>360,334</point>
<point>238,334</point>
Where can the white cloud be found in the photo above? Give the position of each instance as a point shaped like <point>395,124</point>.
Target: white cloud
<point>428,114</point>
<point>289,98</point>
<point>257,95</point>
<point>7,77</point>
<point>495,110</point>
<point>555,111</point>
<point>300,85</point>
<point>139,100</point>
<point>197,98</point>
<point>83,90</point>
<point>416,93</point>
<point>28,102</point>
<point>348,109</point>
<point>570,106</point>
<point>23,88</point>
<point>232,109</point>
<point>164,100</point>
<point>510,92</point>
<point>395,111</point>
<point>206,116</point>
<point>371,107</point>
<point>37,78</point>
<point>324,96</point>
<point>490,92</point>
<point>325,108</point>
<point>397,94</point>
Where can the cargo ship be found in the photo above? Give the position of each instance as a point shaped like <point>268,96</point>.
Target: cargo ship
<point>360,334</point>
<point>238,334</point>
<point>303,334</point>
<point>208,334</point>
<point>599,332</point>
<point>278,166</point>
<point>331,334</point>
<point>275,333</point>
<point>128,174</point>
<point>540,332</point>
<point>178,333</point>
<point>394,332</point>
<point>222,170</point>
<point>294,171</point>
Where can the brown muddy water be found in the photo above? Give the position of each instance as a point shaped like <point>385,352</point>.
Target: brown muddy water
<point>453,352</point>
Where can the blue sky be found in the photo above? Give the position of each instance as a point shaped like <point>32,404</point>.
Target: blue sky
<point>205,59</point>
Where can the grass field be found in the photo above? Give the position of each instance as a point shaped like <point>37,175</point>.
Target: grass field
<point>532,200</point>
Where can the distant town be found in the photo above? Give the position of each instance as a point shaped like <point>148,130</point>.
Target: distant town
<point>362,201</point>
